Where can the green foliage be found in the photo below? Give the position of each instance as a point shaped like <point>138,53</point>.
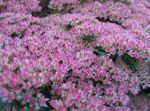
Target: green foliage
<point>46,90</point>
<point>1,106</point>
<point>131,62</point>
<point>144,92</point>
<point>115,57</point>
<point>99,51</point>
<point>82,1</point>
<point>97,82</point>
<point>88,38</point>
<point>16,35</point>
<point>45,11</point>
<point>69,26</point>
<point>51,10</point>
<point>16,69</point>
<point>123,1</point>
<point>42,108</point>
<point>16,104</point>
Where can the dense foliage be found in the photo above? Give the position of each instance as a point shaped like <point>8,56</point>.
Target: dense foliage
<point>73,55</point>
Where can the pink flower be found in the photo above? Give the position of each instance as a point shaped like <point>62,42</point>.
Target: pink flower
<point>43,101</point>
<point>26,86</point>
<point>46,58</point>
<point>11,97</point>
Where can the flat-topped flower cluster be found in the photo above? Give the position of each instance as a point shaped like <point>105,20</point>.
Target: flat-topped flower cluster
<point>83,55</point>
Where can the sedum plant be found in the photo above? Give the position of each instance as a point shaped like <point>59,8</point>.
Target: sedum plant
<point>85,58</point>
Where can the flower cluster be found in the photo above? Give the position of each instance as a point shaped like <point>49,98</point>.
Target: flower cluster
<point>19,6</point>
<point>84,59</point>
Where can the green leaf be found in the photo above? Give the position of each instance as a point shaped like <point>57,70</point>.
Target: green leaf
<point>51,10</point>
<point>82,1</point>
<point>69,26</point>
<point>88,38</point>
<point>131,62</point>
<point>115,57</point>
<point>17,69</point>
<point>16,35</point>
<point>46,90</point>
<point>27,109</point>
<point>99,51</point>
